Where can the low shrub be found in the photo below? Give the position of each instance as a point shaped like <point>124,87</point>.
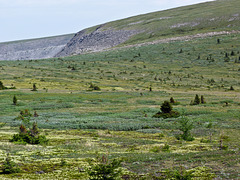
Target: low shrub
<point>172,114</point>
<point>187,174</point>
<point>94,87</point>
<point>166,148</point>
<point>30,136</point>
<point>9,166</point>
<point>103,169</point>
<point>27,138</point>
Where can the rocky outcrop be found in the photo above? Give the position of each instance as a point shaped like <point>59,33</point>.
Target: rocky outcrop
<point>98,40</point>
<point>33,49</point>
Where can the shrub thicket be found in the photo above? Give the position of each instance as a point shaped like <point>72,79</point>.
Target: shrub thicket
<point>30,136</point>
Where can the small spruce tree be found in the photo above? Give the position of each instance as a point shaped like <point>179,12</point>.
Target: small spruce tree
<point>35,114</point>
<point>150,89</point>
<point>1,86</point>
<point>34,131</point>
<point>166,107</point>
<point>166,111</point>
<point>196,100</point>
<point>104,170</point>
<point>34,87</point>
<point>185,126</point>
<point>203,100</point>
<point>14,100</point>
<point>172,101</point>
<point>9,166</point>
<point>231,88</point>
<point>22,130</point>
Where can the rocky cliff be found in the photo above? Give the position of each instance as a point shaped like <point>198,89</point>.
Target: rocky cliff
<point>98,40</point>
<point>33,49</point>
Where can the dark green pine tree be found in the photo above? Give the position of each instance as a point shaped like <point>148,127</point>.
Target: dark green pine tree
<point>9,166</point>
<point>203,100</point>
<point>166,107</point>
<point>34,87</point>
<point>14,100</point>
<point>196,100</point>
<point>1,86</point>
<point>172,101</point>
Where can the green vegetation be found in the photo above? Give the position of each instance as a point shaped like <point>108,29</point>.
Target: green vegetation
<point>9,166</point>
<point>30,136</point>
<point>2,86</point>
<point>185,126</point>
<point>79,121</point>
<point>104,170</point>
<point>166,111</point>
<point>34,87</point>
<point>215,16</point>
<point>14,100</point>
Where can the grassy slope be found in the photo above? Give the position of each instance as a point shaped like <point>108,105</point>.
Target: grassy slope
<point>205,17</point>
<point>113,121</point>
<point>63,103</point>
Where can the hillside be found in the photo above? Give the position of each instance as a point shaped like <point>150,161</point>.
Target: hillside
<point>215,16</point>
<point>34,48</point>
<point>63,117</point>
<point>221,15</point>
<point>117,120</point>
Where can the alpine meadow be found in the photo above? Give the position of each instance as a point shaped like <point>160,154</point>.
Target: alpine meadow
<point>155,96</point>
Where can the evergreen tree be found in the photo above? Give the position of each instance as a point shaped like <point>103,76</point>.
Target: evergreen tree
<point>166,107</point>
<point>104,170</point>
<point>34,87</point>
<point>185,126</point>
<point>172,101</point>
<point>202,100</point>
<point>196,100</point>
<point>35,114</point>
<point>150,89</point>
<point>1,86</point>
<point>34,131</point>
<point>9,166</point>
<point>22,129</point>
<point>14,100</point>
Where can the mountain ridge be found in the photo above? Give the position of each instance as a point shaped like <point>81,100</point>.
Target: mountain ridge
<point>208,17</point>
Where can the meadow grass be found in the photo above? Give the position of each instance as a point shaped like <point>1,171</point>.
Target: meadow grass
<point>117,120</point>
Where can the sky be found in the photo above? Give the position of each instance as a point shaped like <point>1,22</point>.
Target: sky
<point>26,19</point>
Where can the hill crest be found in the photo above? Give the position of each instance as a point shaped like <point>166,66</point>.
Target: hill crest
<point>209,17</point>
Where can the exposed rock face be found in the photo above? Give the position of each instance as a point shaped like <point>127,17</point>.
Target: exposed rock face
<point>33,49</point>
<point>98,40</point>
<point>65,45</point>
